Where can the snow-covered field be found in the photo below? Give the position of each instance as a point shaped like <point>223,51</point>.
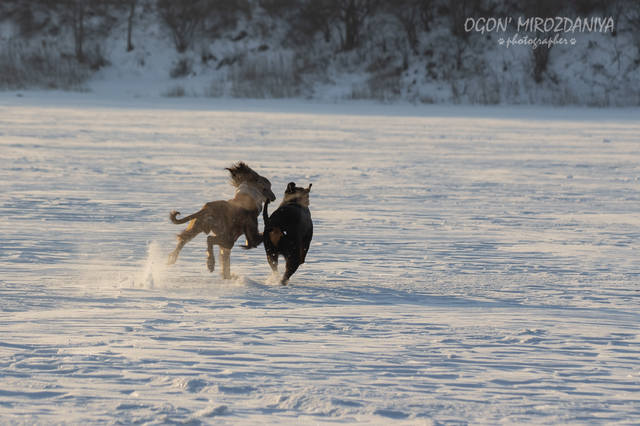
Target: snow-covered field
<point>468,265</point>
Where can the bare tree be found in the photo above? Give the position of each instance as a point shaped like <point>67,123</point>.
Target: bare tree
<point>182,18</point>
<point>407,13</point>
<point>348,16</point>
<point>352,14</point>
<point>459,11</point>
<point>220,15</point>
<point>543,9</point>
<point>631,12</point>
<point>22,13</point>
<point>426,13</point>
<point>77,11</point>
<point>132,11</point>
<point>312,17</point>
<point>411,14</point>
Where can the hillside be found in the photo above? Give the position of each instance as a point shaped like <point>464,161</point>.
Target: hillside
<point>418,51</point>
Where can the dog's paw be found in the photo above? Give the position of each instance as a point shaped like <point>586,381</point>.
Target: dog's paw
<point>248,247</point>
<point>230,277</point>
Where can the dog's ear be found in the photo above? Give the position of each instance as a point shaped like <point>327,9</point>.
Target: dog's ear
<point>233,171</point>
<point>309,187</point>
<point>291,188</point>
<point>240,172</point>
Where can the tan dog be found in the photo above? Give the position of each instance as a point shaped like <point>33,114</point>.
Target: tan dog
<point>227,220</point>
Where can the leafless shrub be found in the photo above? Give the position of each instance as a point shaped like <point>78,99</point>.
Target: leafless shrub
<point>176,91</point>
<point>24,66</point>
<point>265,75</point>
<point>181,69</point>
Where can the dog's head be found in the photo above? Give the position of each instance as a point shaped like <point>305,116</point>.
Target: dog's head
<point>241,173</point>
<point>297,195</point>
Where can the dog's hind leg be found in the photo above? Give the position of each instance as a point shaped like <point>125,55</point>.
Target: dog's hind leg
<point>225,260</point>
<point>272,258</point>
<point>183,238</point>
<point>306,242</point>
<point>293,262</point>
<point>211,259</point>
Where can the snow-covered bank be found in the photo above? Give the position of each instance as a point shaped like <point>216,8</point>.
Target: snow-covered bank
<point>116,99</point>
<point>466,267</point>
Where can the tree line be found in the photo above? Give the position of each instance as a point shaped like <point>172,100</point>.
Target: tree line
<point>342,22</point>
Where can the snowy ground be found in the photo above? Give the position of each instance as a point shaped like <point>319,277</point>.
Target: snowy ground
<point>468,265</point>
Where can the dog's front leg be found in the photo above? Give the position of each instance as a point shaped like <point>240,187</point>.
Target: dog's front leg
<point>254,237</point>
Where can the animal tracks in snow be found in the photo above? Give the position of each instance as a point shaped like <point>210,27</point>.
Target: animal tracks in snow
<point>457,275</point>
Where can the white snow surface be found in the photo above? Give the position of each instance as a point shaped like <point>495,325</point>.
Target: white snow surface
<point>469,265</point>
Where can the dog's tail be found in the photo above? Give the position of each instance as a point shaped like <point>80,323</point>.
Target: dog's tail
<point>275,234</point>
<point>173,216</point>
<point>265,213</point>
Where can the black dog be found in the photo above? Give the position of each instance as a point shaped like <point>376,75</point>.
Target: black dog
<point>289,230</point>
